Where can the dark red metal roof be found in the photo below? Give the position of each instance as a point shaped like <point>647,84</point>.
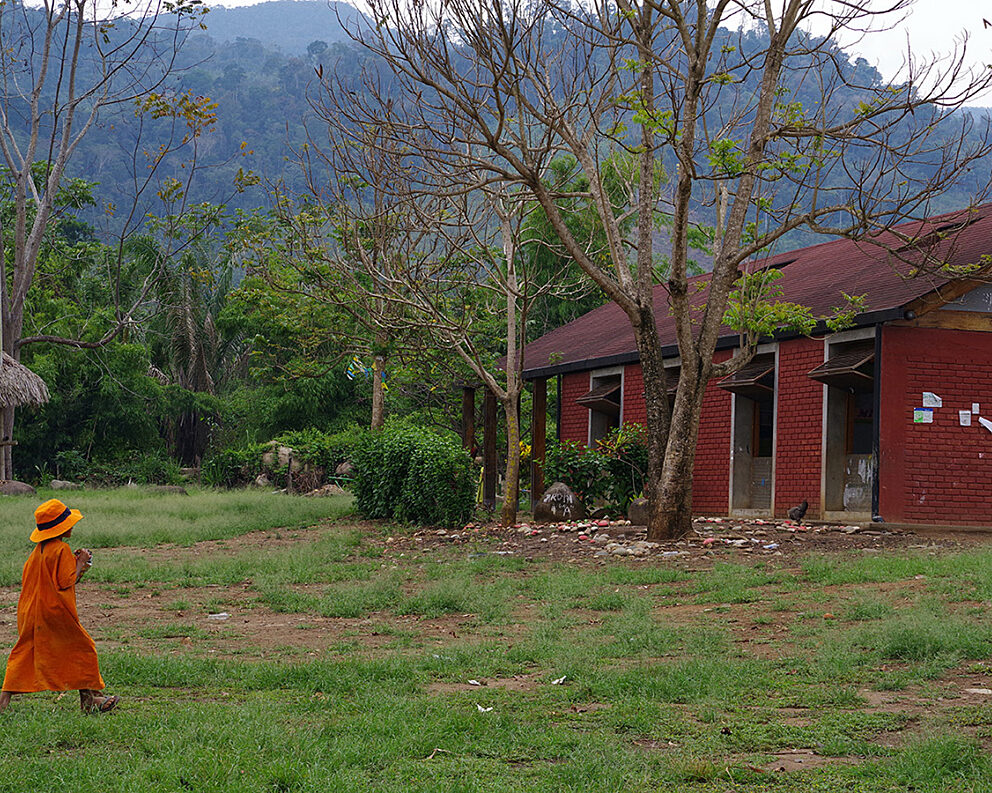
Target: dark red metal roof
<point>880,268</point>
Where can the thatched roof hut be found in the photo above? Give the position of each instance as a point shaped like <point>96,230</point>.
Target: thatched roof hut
<point>19,385</point>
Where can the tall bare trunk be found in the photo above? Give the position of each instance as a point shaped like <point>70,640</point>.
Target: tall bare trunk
<point>511,496</point>
<point>672,516</point>
<point>511,405</point>
<point>378,392</point>
<point>6,458</point>
<point>658,415</point>
<point>6,412</point>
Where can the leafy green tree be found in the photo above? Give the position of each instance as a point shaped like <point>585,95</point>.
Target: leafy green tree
<point>60,66</point>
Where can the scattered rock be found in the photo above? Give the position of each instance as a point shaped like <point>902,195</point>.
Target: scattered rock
<point>328,490</point>
<point>344,469</point>
<point>558,503</point>
<point>11,487</point>
<point>279,456</point>
<point>174,489</point>
<point>262,481</point>
<point>637,512</point>
<point>62,484</point>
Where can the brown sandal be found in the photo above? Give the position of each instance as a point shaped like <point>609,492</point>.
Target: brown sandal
<point>105,705</point>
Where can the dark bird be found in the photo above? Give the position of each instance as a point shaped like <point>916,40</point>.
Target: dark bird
<point>798,513</point>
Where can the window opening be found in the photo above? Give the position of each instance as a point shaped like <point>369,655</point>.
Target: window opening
<point>603,401</point>
<point>764,427</point>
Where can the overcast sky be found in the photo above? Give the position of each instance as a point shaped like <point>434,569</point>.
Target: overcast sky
<point>932,26</point>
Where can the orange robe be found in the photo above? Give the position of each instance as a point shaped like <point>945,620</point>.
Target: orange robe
<point>53,652</point>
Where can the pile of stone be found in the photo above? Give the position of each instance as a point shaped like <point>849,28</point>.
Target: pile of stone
<point>327,490</point>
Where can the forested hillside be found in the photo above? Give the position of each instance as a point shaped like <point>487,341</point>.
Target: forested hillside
<point>258,64</point>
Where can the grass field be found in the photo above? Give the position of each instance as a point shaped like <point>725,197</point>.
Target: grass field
<point>345,664</point>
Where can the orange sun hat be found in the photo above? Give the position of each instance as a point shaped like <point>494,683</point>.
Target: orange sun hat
<point>54,519</point>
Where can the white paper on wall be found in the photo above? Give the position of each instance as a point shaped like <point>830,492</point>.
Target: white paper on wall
<point>975,408</point>
<point>964,418</point>
<point>931,400</point>
<point>985,423</point>
<point>923,416</point>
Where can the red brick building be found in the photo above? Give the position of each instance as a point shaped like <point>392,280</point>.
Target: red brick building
<point>887,418</point>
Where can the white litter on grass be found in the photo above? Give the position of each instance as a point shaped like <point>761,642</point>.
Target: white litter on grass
<point>220,617</point>
<point>482,709</point>
<point>474,683</point>
<point>559,681</point>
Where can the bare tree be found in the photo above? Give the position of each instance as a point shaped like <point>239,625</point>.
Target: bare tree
<point>64,64</point>
<point>427,247</point>
<point>735,98</point>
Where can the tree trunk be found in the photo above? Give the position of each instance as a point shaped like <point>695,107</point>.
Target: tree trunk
<point>657,413</point>
<point>6,412</point>
<point>7,416</point>
<point>671,517</point>
<point>511,496</point>
<point>511,405</point>
<point>378,392</point>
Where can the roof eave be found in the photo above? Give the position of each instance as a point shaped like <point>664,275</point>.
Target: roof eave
<point>729,342</point>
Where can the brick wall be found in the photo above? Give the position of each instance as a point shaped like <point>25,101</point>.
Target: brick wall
<point>939,472</point>
<point>574,417</point>
<point>799,415</point>
<point>711,477</point>
<point>634,408</point>
<point>712,473</point>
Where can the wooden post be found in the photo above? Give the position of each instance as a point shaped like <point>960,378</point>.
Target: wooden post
<point>489,452</point>
<point>468,418</point>
<point>289,476</point>
<point>538,433</point>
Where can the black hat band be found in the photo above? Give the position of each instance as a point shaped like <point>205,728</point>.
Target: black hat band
<point>51,524</point>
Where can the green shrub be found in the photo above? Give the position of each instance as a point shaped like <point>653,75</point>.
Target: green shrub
<point>613,472</point>
<point>232,467</point>
<point>579,467</point>
<point>411,474</point>
<point>70,464</point>
<point>626,453</point>
<point>155,468</point>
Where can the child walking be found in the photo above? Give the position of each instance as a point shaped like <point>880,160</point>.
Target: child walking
<point>53,652</point>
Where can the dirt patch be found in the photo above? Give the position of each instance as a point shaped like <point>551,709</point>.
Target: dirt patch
<point>655,746</point>
<point>711,540</point>
<point>793,760</point>
<point>589,707</point>
<point>147,620</point>
<point>898,702</point>
<point>268,540</point>
<point>794,717</point>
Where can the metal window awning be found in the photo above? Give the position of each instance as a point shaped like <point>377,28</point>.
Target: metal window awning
<point>756,380</point>
<point>848,370</point>
<point>604,398</point>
